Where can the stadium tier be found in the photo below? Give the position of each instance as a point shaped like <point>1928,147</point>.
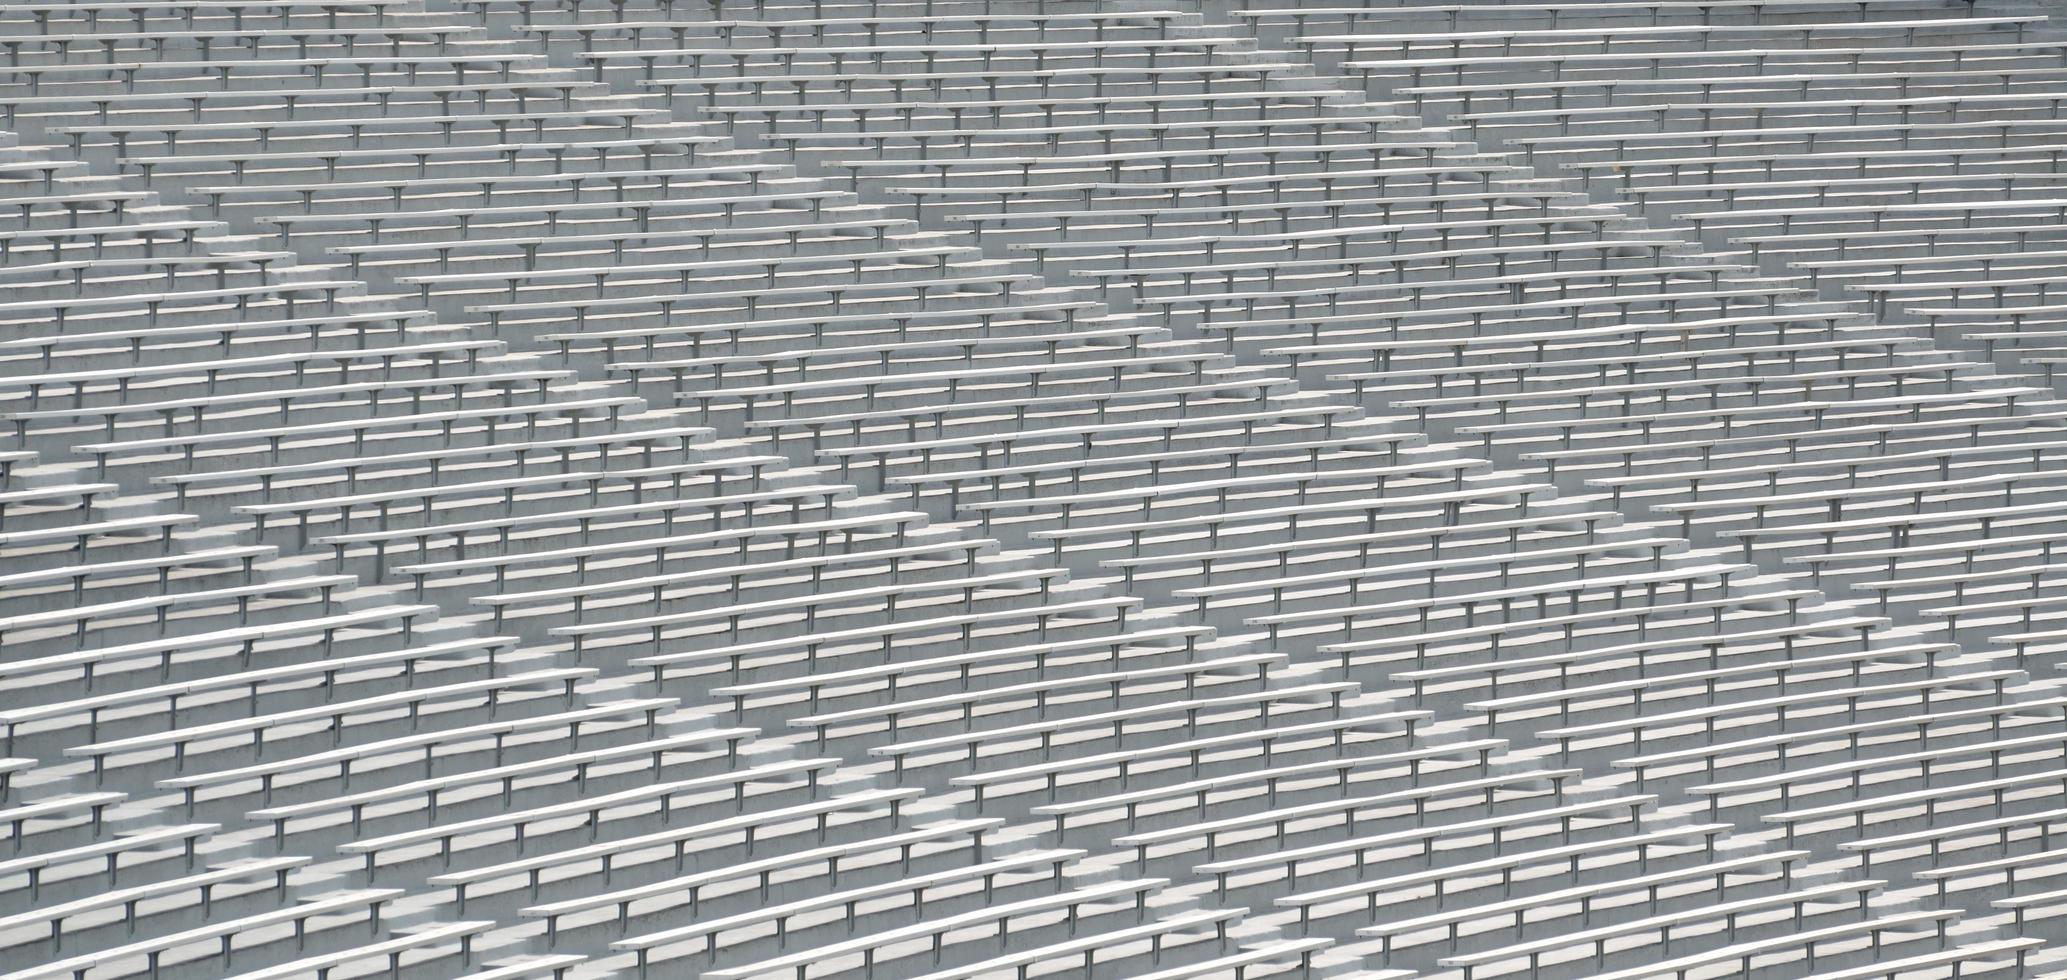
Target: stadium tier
<point>1032,489</point>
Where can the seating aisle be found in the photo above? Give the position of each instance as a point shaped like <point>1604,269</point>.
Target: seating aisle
<point>932,597</point>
